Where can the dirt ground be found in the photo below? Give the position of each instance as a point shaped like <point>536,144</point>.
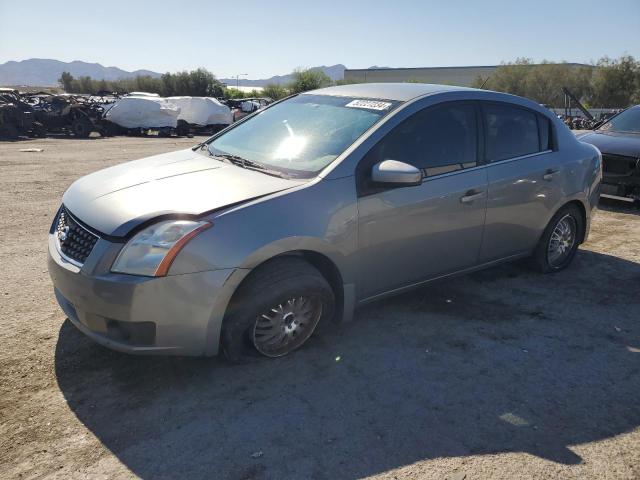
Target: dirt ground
<point>500,374</point>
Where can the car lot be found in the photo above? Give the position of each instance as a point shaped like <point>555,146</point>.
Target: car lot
<point>502,374</point>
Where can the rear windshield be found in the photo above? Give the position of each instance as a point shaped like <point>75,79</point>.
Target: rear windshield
<point>304,134</point>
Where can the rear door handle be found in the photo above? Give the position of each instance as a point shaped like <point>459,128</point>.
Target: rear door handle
<point>548,175</point>
<point>471,195</point>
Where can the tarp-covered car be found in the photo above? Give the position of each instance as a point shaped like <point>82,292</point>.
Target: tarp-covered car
<point>143,113</point>
<point>201,112</point>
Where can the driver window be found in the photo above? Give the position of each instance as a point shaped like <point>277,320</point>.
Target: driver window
<point>437,140</point>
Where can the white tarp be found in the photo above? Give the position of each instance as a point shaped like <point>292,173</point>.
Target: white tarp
<point>249,106</point>
<point>143,94</point>
<point>202,110</point>
<point>143,112</point>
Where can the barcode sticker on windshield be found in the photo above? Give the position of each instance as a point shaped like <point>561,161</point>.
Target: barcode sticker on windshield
<point>370,104</point>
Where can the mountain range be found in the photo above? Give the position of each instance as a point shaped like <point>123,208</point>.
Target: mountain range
<point>46,72</point>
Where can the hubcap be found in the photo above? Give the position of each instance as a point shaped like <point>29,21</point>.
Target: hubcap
<point>562,240</point>
<point>286,326</point>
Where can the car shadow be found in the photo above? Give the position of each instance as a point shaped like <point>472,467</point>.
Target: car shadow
<point>503,360</point>
<point>618,206</point>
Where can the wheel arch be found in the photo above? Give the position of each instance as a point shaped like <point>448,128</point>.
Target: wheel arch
<point>583,212</point>
<point>321,262</point>
<point>579,204</point>
<point>325,265</point>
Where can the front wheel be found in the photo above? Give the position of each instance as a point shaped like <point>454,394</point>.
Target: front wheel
<point>8,132</point>
<point>559,242</point>
<point>277,310</point>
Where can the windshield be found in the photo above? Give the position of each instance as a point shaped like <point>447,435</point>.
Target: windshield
<point>625,122</point>
<point>302,135</point>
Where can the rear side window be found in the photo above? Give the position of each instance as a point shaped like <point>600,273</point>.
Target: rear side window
<point>437,140</point>
<point>544,127</point>
<point>511,132</point>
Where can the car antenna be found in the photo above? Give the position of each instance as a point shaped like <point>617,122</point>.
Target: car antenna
<point>198,146</point>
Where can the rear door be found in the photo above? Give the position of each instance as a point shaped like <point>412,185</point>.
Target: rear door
<point>523,172</point>
<point>411,234</point>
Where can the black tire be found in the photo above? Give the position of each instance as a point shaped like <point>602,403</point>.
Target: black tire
<point>271,285</point>
<point>39,130</point>
<point>182,130</point>
<point>8,132</point>
<point>111,129</point>
<point>81,127</point>
<point>542,259</point>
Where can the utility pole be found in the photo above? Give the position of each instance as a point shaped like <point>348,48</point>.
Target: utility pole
<point>238,79</point>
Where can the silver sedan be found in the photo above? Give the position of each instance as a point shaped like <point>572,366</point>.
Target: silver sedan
<point>305,210</point>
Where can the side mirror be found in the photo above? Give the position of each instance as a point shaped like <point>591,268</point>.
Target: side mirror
<point>395,173</point>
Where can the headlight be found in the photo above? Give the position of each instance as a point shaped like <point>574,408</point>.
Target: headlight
<point>151,251</point>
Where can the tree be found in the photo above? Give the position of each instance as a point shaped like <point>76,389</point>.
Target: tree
<point>66,81</point>
<point>305,80</point>
<point>198,82</point>
<point>611,83</point>
<point>616,82</point>
<point>231,92</point>
<point>540,82</point>
<point>508,77</point>
<point>274,91</point>
<point>544,82</point>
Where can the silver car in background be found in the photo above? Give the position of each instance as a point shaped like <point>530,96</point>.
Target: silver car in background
<point>311,207</point>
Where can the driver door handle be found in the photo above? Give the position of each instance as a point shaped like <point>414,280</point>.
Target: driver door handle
<point>548,175</point>
<point>471,195</point>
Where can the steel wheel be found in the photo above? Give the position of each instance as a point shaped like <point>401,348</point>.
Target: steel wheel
<point>561,241</point>
<point>286,326</point>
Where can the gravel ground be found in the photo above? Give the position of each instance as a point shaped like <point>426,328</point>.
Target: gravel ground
<point>500,374</point>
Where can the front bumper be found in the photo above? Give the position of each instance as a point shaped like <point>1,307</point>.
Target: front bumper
<point>621,176</point>
<point>176,315</point>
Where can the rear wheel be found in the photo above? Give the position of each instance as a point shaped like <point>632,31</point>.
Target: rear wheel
<point>182,129</point>
<point>39,130</point>
<point>559,242</point>
<point>81,127</point>
<point>277,310</point>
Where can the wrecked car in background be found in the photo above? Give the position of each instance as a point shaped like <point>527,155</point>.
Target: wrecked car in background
<point>16,116</point>
<point>66,113</point>
<point>618,139</point>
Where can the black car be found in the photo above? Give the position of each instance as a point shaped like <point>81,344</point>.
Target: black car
<point>619,141</point>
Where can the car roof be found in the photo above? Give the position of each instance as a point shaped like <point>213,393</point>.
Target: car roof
<point>387,91</point>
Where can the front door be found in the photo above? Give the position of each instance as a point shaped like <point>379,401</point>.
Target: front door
<point>411,234</point>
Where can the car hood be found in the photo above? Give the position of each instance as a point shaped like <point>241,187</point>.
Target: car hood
<point>614,143</point>
<point>117,199</point>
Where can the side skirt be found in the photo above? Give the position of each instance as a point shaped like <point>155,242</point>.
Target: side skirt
<point>399,290</point>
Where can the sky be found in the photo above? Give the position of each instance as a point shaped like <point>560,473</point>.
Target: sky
<point>265,38</point>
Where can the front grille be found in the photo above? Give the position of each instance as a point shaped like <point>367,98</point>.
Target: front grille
<point>76,242</point>
<point>619,164</point>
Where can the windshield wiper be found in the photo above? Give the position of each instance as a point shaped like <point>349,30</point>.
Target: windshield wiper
<point>250,164</point>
